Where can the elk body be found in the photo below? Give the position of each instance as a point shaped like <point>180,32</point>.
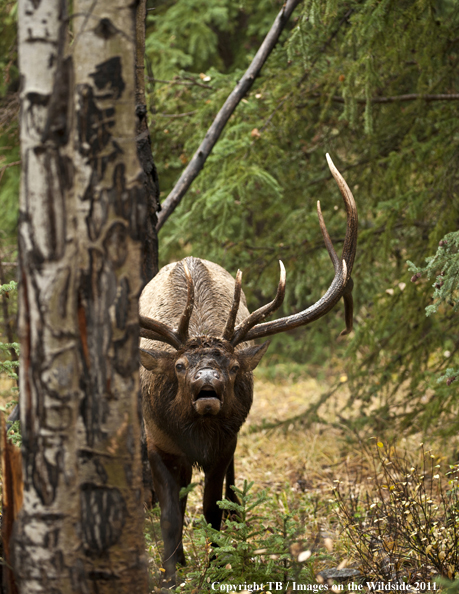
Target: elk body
<point>197,360</point>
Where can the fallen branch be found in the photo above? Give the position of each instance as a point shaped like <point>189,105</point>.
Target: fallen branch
<point>213,134</point>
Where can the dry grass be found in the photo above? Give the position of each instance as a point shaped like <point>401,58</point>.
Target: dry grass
<point>276,459</point>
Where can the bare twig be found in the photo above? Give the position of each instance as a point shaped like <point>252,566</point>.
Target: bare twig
<point>5,167</point>
<point>7,318</point>
<point>189,83</point>
<point>176,115</point>
<point>200,156</point>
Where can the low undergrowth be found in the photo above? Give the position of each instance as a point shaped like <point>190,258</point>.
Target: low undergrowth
<point>402,520</point>
<point>383,518</point>
<point>267,538</point>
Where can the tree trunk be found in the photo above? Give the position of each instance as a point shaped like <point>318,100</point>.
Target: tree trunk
<point>150,177</point>
<point>82,223</point>
<point>151,186</point>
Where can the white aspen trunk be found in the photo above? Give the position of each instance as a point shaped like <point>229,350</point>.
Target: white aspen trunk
<point>47,532</point>
<point>82,216</point>
<point>112,215</point>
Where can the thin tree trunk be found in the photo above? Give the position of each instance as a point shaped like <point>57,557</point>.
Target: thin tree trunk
<point>151,186</point>
<point>82,220</point>
<point>150,177</point>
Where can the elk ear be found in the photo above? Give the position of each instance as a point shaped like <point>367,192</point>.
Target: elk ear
<point>251,356</point>
<point>155,360</point>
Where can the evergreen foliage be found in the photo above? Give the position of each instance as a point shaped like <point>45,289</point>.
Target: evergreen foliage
<point>360,80</point>
<point>9,353</point>
<point>9,131</point>
<point>263,539</point>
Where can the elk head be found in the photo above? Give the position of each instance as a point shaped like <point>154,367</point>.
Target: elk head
<point>204,370</point>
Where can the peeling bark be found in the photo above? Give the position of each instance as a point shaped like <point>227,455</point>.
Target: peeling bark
<point>82,227</point>
<point>12,495</point>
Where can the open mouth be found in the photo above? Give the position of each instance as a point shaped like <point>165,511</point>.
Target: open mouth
<point>207,401</point>
<point>207,393</point>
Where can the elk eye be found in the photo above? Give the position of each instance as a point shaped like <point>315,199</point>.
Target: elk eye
<point>235,369</point>
<point>180,367</point>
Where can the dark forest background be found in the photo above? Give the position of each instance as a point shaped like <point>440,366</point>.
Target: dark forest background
<point>374,83</point>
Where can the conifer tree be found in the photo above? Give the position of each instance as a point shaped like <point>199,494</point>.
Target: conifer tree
<point>375,85</point>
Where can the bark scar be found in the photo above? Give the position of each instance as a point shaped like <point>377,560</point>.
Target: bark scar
<point>82,326</point>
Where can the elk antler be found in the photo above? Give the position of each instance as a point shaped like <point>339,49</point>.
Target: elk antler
<point>155,330</point>
<point>260,314</point>
<point>341,285</point>
<point>229,328</point>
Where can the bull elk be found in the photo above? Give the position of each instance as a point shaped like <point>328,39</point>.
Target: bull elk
<point>198,356</point>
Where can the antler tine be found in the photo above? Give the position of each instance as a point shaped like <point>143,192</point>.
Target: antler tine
<point>260,314</point>
<point>155,330</point>
<point>350,240</point>
<point>328,242</point>
<point>316,311</point>
<point>341,285</point>
<point>229,328</point>
<point>348,307</point>
<point>184,322</point>
<point>347,295</point>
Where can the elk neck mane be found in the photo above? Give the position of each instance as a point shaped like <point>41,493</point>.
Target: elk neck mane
<point>213,294</point>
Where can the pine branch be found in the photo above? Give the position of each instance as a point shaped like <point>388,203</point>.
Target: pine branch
<point>308,72</point>
<point>394,99</point>
<point>213,134</point>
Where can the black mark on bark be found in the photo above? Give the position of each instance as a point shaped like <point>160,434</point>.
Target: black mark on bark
<point>115,244</point>
<point>151,188</point>
<point>56,127</point>
<point>37,99</point>
<point>126,352</point>
<point>78,577</point>
<point>45,475</point>
<point>94,133</point>
<point>108,76</point>
<point>97,293</point>
<point>105,29</point>
<point>103,515</point>
<point>122,303</point>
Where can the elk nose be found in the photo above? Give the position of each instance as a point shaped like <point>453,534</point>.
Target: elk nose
<point>207,374</point>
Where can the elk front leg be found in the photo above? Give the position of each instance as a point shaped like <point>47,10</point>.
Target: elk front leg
<point>170,473</point>
<point>213,488</point>
<point>230,477</point>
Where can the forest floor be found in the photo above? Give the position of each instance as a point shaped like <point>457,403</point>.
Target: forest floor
<point>401,509</point>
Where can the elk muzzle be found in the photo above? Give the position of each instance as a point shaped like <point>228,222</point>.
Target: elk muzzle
<point>207,389</point>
